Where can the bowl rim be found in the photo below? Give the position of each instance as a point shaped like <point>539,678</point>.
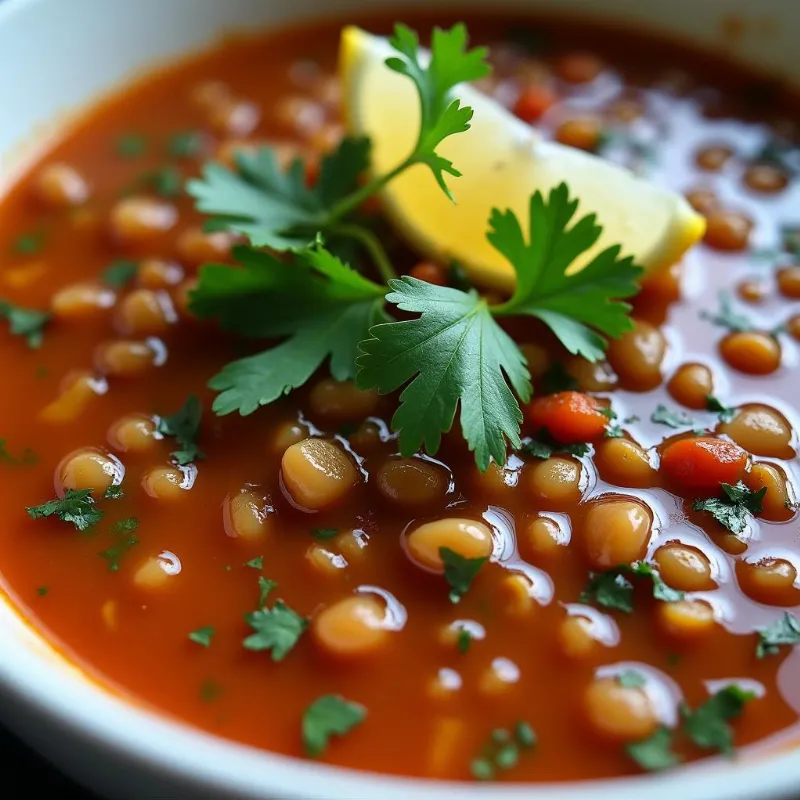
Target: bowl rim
<point>51,685</point>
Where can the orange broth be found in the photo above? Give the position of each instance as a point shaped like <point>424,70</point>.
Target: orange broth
<point>136,640</point>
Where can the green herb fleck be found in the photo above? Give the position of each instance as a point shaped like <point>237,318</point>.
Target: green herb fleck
<point>674,419</point>
<point>459,572</point>
<point>76,507</point>
<point>276,630</point>
<point>130,145</point>
<point>256,563</point>
<point>184,426</point>
<point>612,589</point>
<point>42,590</point>
<point>654,753</point>
<point>29,244</point>
<point>544,446</point>
<point>113,492</point>
<point>725,413</point>
<point>25,322</point>
<point>783,632</point>
<point>28,456</point>
<point>119,273</point>
<point>464,640</point>
<point>265,586</point>
<point>631,679</point>
<point>166,182</point>
<point>125,540</point>
<point>734,508</point>
<point>186,144</point>
<point>202,636</point>
<point>329,715</point>
<point>556,379</point>
<point>727,316</point>
<point>210,690</point>
<point>707,725</point>
<point>324,533</point>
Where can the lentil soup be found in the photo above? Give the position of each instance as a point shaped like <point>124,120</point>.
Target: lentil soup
<point>618,596</point>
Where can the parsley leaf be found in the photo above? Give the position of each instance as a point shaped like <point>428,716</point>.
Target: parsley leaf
<point>612,589</point>
<point>463,640</point>
<point>76,507</point>
<point>733,510</point>
<point>544,446</point>
<point>459,572</point>
<point>125,539</point>
<point>119,273</point>
<point>575,306</point>
<point>186,144</point>
<point>454,352</point>
<point>329,715</point>
<point>273,208</point>
<point>726,414</point>
<point>785,631</point>
<point>326,309</point>
<point>727,316</point>
<point>256,563</point>
<point>202,636</point>
<point>166,182</point>
<point>707,725</point>
<point>265,586</point>
<point>184,426</point>
<point>25,322</point>
<point>277,630</point>
<point>324,533</point>
<point>442,116</point>
<point>673,419</point>
<point>655,752</point>
<point>113,492</point>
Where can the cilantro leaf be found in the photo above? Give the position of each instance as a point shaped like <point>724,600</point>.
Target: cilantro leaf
<point>442,116</point>
<point>256,563</point>
<point>76,507</point>
<point>275,208</point>
<point>574,306</point>
<point>202,636</point>
<point>785,631</point>
<point>673,419</point>
<point>277,630</point>
<point>655,752</point>
<point>329,715</point>
<point>707,725</point>
<point>459,572</point>
<point>734,508</point>
<point>184,426</point>
<point>661,591</point>
<point>25,322</point>
<point>327,309</point>
<point>727,316</point>
<point>453,353</point>
<point>114,492</point>
<point>265,586</point>
<point>726,414</point>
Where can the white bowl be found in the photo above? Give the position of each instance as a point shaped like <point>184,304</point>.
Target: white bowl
<point>56,55</point>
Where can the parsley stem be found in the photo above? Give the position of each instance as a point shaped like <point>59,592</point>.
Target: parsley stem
<point>353,201</point>
<point>371,244</point>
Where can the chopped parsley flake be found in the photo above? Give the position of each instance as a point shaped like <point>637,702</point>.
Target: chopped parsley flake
<point>277,629</point>
<point>785,632</point>
<point>184,426</point>
<point>612,589</point>
<point>654,753</point>
<point>265,586</point>
<point>324,533</point>
<point>631,679</point>
<point>725,413</point>
<point>28,456</point>
<point>556,379</point>
<point>186,144</point>
<point>734,509</point>
<point>29,244</point>
<point>119,273</point>
<point>727,316</point>
<point>210,690</point>
<point>166,182</point>
<point>502,751</point>
<point>674,419</point>
<point>707,725</point>
<point>329,715</point>
<point>113,492</point>
<point>25,322</point>
<point>256,563</point>
<point>42,590</point>
<point>76,507</point>
<point>202,636</point>
<point>544,446</point>
<point>464,640</point>
<point>459,572</point>
<point>125,539</point>
<point>131,145</point>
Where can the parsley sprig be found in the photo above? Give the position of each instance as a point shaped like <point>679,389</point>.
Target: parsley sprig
<point>734,509</point>
<point>452,355</point>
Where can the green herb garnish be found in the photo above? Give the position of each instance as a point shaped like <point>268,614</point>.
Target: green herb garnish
<point>76,507</point>
<point>29,244</point>
<point>544,446</point>
<point>459,572</point>
<point>186,144</point>
<point>612,588</point>
<point>255,563</point>
<point>277,629</point>
<point>673,419</point>
<point>725,413</point>
<point>631,679</point>
<point>707,725</point>
<point>785,632</point>
<point>727,316</point>
<point>131,145</point>
<point>324,533</point>
<point>113,492</point>
<point>184,427</point>
<point>25,322</point>
<point>119,273</point>
<point>202,636</point>
<point>463,640</point>
<point>329,715</point>
<point>125,538</point>
<point>28,456</point>
<point>654,753</point>
<point>734,509</point>
<point>166,182</point>
<point>502,751</point>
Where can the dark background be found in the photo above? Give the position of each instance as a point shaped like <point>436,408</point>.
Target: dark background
<point>26,775</point>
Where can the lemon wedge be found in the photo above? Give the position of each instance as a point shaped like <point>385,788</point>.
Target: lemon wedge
<point>503,162</point>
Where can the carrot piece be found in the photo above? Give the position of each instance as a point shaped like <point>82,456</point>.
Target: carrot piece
<point>569,417</point>
<point>533,102</point>
<point>430,273</point>
<point>703,463</point>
